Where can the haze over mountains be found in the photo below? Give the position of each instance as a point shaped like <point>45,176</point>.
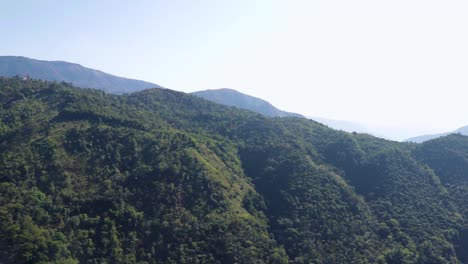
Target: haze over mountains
<point>420,139</point>
<point>232,97</point>
<point>70,72</point>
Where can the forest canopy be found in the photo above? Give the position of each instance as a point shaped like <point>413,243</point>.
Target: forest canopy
<point>161,176</point>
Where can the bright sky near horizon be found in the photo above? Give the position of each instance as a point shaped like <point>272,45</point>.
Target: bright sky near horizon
<point>400,63</point>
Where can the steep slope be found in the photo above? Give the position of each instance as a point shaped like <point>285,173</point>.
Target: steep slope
<point>70,72</point>
<point>448,157</point>
<point>164,177</point>
<point>232,97</point>
<point>420,139</point>
<point>86,177</point>
<point>411,206</point>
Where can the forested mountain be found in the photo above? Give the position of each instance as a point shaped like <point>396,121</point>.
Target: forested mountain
<point>69,72</point>
<point>448,157</point>
<point>89,78</point>
<point>160,176</point>
<point>420,139</point>
<point>232,97</point>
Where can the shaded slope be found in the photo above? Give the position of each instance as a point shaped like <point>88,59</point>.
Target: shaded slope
<point>312,212</point>
<point>448,157</point>
<point>412,206</point>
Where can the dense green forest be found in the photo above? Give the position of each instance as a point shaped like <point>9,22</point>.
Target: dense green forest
<point>160,176</point>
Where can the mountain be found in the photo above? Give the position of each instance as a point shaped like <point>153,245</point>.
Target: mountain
<point>420,139</point>
<point>232,97</point>
<point>89,78</point>
<point>160,176</point>
<point>70,72</point>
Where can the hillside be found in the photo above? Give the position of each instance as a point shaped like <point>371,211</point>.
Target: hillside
<point>70,72</point>
<point>448,157</point>
<point>165,177</point>
<point>232,97</point>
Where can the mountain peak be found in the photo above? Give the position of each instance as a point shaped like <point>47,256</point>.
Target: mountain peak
<point>70,72</point>
<point>231,97</point>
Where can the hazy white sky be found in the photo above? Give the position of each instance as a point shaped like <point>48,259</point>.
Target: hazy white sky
<point>394,63</point>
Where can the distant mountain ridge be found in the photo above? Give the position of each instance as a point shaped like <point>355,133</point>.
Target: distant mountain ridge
<point>70,72</point>
<point>83,77</point>
<point>231,97</point>
<point>420,139</point>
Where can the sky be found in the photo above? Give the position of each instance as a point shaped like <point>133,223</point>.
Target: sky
<point>400,65</point>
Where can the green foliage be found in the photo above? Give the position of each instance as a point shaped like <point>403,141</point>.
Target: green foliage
<point>448,158</point>
<point>164,177</point>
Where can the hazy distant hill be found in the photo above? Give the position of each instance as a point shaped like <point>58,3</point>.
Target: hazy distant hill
<point>70,72</point>
<point>420,139</point>
<point>347,126</point>
<point>232,97</point>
